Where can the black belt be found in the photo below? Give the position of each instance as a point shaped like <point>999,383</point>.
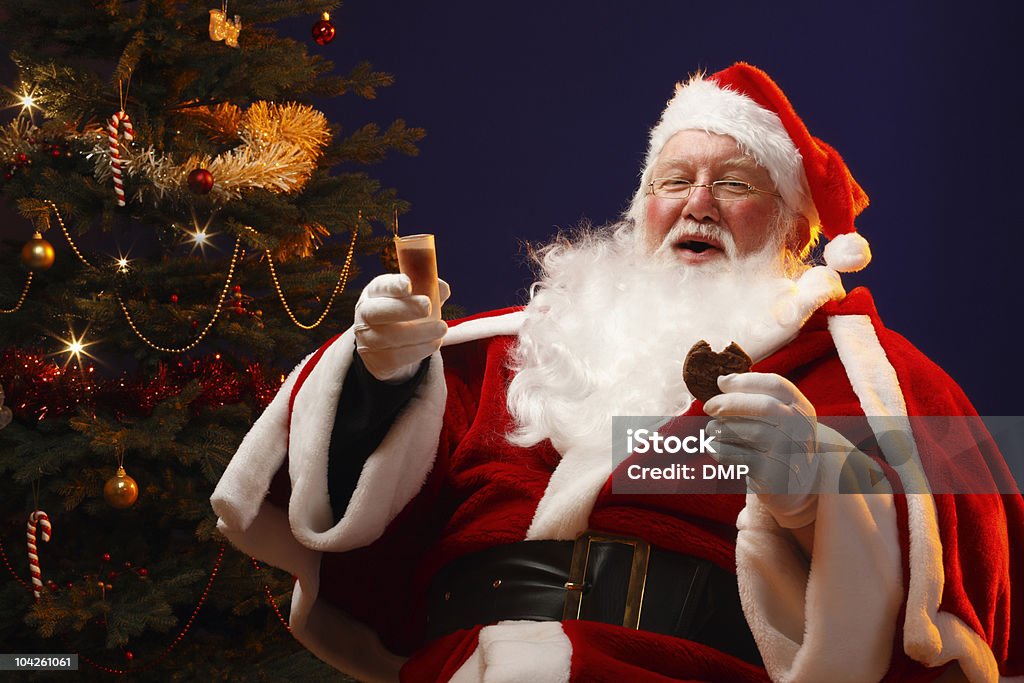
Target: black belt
<point>601,577</point>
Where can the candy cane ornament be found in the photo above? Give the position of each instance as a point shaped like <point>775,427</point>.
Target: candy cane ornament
<point>116,121</point>
<point>37,517</point>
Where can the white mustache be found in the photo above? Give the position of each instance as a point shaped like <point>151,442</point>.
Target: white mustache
<point>687,229</point>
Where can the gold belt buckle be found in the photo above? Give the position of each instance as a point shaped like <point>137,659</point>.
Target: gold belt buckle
<point>574,587</point>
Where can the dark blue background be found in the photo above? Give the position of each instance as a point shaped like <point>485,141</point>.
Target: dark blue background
<point>537,115</point>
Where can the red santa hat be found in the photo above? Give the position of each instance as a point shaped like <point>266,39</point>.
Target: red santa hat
<point>744,103</point>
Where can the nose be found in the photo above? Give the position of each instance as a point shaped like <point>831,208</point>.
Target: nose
<point>701,206</point>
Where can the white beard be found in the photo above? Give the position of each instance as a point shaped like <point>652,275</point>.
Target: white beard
<point>608,327</point>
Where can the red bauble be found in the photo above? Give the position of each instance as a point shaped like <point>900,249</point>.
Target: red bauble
<point>323,30</point>
<point>200,181</point>
<point>174,298</point>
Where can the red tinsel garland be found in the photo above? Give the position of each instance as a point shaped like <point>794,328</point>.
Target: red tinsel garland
<point>37,388</point>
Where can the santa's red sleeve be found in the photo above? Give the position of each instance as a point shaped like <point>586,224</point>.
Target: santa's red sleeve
<point>296,531</point>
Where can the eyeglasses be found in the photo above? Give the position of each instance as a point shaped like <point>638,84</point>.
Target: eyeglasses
<point>722,190</point>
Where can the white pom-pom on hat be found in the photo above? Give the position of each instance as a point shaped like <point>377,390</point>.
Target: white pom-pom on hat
<point>847,253</point>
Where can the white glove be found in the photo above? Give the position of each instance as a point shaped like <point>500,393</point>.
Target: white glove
<point>393,332</point>
<point>767,424</point>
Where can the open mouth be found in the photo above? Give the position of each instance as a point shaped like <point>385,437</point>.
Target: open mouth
<point>696,246</point>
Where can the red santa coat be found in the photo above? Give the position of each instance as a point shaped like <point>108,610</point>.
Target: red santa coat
<point>895,585</point>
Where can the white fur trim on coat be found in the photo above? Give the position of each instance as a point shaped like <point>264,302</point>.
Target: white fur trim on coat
<point>834,618</point>
<point>398,467</point>
<point>392,475</point>
<point>517,651</point>
<point>246,480</point>
<point>481,328</point>
<point>929,636</point>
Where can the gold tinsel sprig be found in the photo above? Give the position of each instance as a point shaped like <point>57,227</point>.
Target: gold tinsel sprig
<point>299,124</point>
<point>222,123</point>
<point>280,145</point>
<point>264,123</point>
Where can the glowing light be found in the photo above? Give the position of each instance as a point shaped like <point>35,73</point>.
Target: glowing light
<point>75,347</point>
<point>199,236</point>
<point>26,98</point>
<point>122,263</point>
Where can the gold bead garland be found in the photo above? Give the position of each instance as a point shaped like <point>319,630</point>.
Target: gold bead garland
<point>338,288</point>
<point>21,299</point>
<point>67,235</point>
<point>124,308</point>
<point>235,256</point>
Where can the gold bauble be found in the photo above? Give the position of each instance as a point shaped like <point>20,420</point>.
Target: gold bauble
<point>121,491</point>
<point>37,254</point>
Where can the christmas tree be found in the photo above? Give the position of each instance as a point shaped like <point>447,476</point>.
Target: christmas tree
<point>185,226</point>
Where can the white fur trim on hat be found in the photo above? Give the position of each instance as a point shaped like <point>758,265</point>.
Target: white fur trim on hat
<point>703,105</point>
<point>847,253</point>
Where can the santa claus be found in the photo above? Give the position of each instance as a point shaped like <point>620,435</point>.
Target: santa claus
<point>443,492</point>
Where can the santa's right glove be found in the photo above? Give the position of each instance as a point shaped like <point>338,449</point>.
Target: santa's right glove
<point>392,328</point>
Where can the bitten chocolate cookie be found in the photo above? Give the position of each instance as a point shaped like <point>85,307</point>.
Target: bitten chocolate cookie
<point>703,367</point>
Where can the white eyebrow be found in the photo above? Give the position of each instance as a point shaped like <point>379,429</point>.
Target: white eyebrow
<point>742,162</point>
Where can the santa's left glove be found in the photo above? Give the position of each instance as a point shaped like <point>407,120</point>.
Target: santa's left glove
<point>764,422</point>
<point>392,328</point>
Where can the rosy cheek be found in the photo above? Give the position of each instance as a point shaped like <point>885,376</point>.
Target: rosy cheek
<point>659,217</point>
<point>750,228</point>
